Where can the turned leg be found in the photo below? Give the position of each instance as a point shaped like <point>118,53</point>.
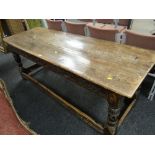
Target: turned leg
<point>113,113</point>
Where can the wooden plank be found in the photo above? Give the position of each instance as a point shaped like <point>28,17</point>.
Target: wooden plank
<point>118,68</point>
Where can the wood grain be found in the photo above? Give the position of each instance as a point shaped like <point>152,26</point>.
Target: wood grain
<point>119,68</point>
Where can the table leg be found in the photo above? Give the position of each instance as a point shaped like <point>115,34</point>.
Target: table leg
<point>113,113</point>
<point>19,62</point>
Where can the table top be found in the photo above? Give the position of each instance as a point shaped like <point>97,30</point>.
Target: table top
<point>119,68</point>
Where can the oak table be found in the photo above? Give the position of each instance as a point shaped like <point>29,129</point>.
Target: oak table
<point>112,70</point>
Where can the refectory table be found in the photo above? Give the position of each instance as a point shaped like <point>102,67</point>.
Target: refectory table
<point>112,70</point>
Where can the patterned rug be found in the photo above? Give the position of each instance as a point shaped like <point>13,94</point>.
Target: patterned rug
<point>10,122</point>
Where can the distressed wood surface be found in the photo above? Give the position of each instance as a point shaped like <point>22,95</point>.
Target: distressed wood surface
<point>119,68</point>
